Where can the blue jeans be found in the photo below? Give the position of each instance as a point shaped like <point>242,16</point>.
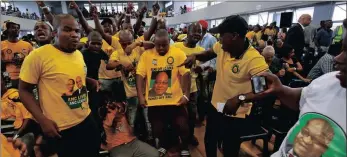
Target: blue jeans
<point>132,111</point>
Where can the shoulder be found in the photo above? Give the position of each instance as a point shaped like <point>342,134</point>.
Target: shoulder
<point>200,48</point>
<point>324,83</point>
<point>25,43</point>
<point>252,53</point>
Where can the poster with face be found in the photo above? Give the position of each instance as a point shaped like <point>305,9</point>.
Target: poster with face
<point>76,93</point>
<point>160,84</point>
<point>315,135</point>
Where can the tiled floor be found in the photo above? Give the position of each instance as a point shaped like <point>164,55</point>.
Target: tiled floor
<point>247,149</point>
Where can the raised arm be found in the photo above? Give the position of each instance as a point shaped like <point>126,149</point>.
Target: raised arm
<point>46,11</point>
<point>81,18</point>
<point>153,26</point>
<point>140,18</point>
<point>98,27</point>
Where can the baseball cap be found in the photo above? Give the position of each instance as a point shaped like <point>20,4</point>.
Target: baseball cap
<point>106,20</point>
<point>203,23</point>
<point>231,24</point>
<point>8,24</point>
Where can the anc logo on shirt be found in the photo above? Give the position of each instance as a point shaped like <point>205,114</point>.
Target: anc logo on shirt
<point>8,51</point>
<point>170,60</point>
<point>315,135</point>
<point>235,69</point>
<point>154,62</point>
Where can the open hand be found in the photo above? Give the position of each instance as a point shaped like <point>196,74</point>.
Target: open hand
<point>148,45</point>
<point>155,9</point>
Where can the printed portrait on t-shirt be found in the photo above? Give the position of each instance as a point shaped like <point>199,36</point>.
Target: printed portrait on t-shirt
<point>315,135</point>
<point>76,93</point>
<point>160,85</point>
<point>130,75</point>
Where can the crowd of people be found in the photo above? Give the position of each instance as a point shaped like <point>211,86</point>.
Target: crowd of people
<point>140,93</point>
<point>14,11</point>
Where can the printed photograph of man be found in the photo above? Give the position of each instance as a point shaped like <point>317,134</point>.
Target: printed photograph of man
<point>80,88</point>
<point>313,139</point>
<point>160,85</point>
<point>70,87</point>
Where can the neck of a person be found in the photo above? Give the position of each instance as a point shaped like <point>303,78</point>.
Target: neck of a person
<point>189,44</point>
<point>57,46</point>
<point>203,33</point>
<point>43,43</point>
<point>12,39</point>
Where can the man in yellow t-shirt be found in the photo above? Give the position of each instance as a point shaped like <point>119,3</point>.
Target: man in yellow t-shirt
<point>237,62</point>
<point>190,47</point>
<point>65,119</point>
<point>158,71</point>
<point>127,59</point>
<point>13,52</point>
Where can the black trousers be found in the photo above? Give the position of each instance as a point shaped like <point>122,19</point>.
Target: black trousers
<point>80,140</point>
<point>226,130</point>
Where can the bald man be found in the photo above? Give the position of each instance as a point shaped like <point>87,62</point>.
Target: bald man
<point>80,88</point>
<point>295,36</point>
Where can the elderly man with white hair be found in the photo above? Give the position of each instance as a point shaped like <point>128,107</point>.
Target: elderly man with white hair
<point>273,62</point>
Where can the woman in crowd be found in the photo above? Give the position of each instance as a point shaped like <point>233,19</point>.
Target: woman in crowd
<point>291,64</point>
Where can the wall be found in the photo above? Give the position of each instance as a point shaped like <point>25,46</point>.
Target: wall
<point>27,24</point>
<point>31,5</point>
<point>229,8</point>
<point>322,12</point>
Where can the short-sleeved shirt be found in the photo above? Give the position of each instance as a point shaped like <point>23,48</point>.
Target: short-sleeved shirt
<point>189,51</point>
<point>119,134</point>
<point>321,128</point>
<point>128,78</point>
<point>61,80</point>
<point>108,49</point>
<point>93,61</point>
<point>163,76</point>
<point>12,109</point>
<point>234,75</point>
<point>12,55</point>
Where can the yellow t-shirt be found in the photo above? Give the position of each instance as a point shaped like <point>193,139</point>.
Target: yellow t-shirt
<point>10,51</point>
<point>128,78</point>
<point>270,32</point>
<point>7,149</point>
<point>141,38</point>
<point>163,76</point>
<point>234,75</point>
<point>11,109</point>
<point>250,35</point>
<point>103,73</point>
<point>190,51</point>
<point>61,80</point>
<point>181,37</point>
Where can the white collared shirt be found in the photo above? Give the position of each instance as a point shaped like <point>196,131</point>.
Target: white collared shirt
<point>302,26</point>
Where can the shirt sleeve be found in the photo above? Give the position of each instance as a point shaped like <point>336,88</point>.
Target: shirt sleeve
<point>216,48</point>
<point>114,56</point>
<point>104,56</point>
<point>181,58</point>
<point>115,43</point>
<point>31,69</point>
<point>141,66</point>
<point>257,65</point>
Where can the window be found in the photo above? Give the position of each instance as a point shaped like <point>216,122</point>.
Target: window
<point>263,17</point>
<point>213,23</point>
<point>108,7</point>
<point>335,24</point>
<point>199,5</point>
<point>168,4</point>
<point>214,3</point>
<point>253,19</point>
<point>5,4</point>
<point>270,18</point>
<point>86,6</point>
<point>339,12</point>
<point>219,21</point>
<point>298,12</point>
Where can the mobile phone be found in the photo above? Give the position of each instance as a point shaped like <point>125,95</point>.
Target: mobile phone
<point>258,84</point>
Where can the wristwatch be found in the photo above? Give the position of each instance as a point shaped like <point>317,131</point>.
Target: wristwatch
<point>242,97</point>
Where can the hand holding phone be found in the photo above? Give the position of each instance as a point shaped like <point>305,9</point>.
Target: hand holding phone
<point>258,84</point>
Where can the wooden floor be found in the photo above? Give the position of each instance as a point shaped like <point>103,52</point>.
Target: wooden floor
<point>247,149</point>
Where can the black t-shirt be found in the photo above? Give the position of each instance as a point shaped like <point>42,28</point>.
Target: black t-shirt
<point>93,61</point>
<point>288,77</point>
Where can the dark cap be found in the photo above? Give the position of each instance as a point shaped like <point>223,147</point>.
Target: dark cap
<point>231,24</point>
<point>106,20</point>
<point>8,24</point>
